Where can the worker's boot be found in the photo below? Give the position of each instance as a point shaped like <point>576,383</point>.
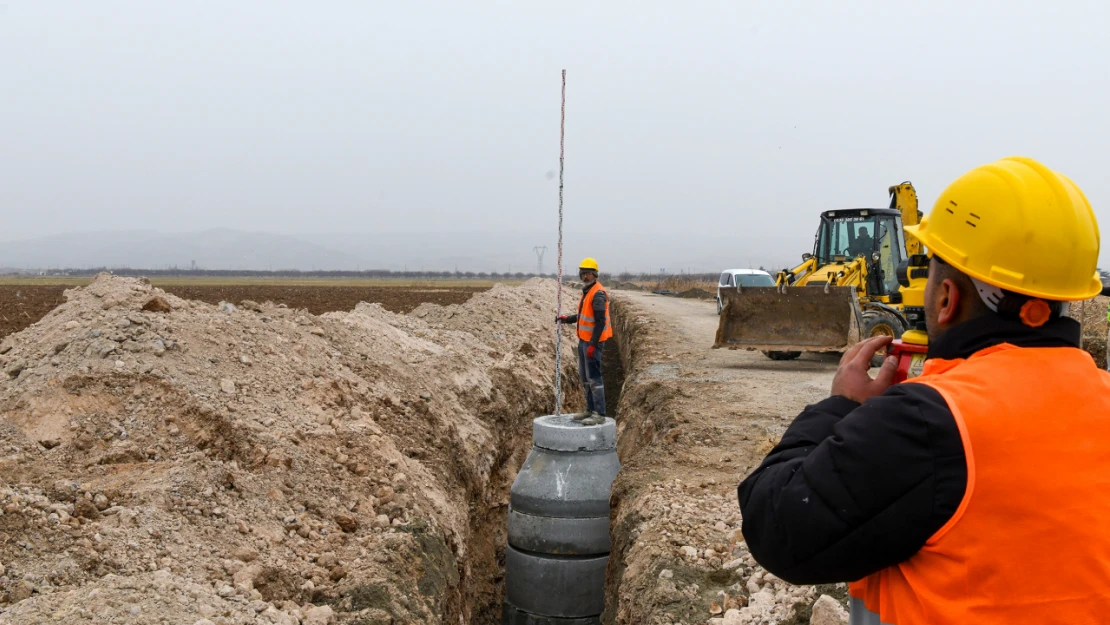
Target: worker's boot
<point>593,419</point>
<point>579,416</point>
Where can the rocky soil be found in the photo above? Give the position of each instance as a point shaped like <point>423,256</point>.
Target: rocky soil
<point>693,423</point>
<point>170,461</point>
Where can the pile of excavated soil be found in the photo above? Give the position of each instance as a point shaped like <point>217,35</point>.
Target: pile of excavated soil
<point>219,464</point>
<point>23,304</point>
<point>697,293</point>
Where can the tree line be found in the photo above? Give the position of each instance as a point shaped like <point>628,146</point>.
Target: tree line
<point>370,274</point>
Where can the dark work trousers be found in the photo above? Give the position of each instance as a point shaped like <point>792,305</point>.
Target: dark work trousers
<point>589,371</point>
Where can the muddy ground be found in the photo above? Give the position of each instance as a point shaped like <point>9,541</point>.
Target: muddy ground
<point>22,305</point>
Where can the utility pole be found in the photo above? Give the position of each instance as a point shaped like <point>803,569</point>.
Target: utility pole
<point>539,250</point>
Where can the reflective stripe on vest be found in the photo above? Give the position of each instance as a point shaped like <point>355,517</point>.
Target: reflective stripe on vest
<point>1030,542</point>
<point>586,322</point>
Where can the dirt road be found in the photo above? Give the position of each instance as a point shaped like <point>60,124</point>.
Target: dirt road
<point>694,421</point>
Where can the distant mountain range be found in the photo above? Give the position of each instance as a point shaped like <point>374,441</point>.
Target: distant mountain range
<point>475,251</point>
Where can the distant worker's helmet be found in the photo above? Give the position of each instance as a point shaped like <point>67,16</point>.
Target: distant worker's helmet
<point>1017,225</point>
<point>588,264</point>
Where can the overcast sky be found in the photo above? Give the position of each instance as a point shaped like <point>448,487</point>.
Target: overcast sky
<point>683,118</point>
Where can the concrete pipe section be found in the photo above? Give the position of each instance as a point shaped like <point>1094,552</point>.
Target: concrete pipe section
<point>559,524</point>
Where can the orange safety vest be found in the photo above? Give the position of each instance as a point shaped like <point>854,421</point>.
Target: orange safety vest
<point>586,320</point>
<point>1030,542</point>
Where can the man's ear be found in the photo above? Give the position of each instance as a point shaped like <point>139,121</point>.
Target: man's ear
<point>948,310</point>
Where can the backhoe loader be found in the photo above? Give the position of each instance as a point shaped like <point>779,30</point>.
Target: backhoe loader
<point>864,278</point>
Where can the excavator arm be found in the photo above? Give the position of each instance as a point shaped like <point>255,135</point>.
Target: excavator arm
<point>903,197</point>
<point>790,276</point>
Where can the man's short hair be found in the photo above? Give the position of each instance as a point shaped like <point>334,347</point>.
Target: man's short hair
<point>975,306</point>
<point>1009,306</point>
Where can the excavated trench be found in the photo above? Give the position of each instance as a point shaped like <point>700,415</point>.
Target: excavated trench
<point>375,490</point>
<point>358,463</point>
<point>489,523</point>
<point>484,575</point>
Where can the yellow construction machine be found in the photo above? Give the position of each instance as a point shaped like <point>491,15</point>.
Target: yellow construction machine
<point>862,275</point>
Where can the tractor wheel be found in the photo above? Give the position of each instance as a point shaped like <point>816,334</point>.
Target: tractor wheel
<point>782,355</point>
<point>879,323</point>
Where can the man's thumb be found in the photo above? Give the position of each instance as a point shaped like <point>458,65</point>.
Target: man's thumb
<point>887,371</point>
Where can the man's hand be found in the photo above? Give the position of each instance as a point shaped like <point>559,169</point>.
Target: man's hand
<point>851,379</point>
<point>561,319</point>
<point>590,349</point>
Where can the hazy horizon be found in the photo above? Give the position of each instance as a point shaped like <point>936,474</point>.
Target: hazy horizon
<point>479,252</point>
<point>716,131</point>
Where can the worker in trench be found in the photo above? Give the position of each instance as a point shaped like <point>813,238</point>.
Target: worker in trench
<point>594,328</point>
<point>978,491</point>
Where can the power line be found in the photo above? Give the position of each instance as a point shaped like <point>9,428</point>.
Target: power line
<point>539,250</point>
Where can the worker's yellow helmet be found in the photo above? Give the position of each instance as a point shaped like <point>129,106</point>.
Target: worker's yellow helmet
<point>588,263</point>
<point>1017,225</point>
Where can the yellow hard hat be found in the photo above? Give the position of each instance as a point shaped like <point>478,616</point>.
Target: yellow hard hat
<point>588,263</point>
<point>1017,225</point>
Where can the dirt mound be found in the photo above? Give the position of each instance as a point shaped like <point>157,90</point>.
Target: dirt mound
<point>625,286</point>
<point>697,293</point>
<point>264,466</point>
<point>21,305</point>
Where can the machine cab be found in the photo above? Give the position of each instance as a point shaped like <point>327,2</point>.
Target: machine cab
<point>872,233</point>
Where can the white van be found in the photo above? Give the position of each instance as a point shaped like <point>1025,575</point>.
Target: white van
<point>743,277</point>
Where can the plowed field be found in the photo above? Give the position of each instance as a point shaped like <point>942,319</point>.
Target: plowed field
<point>22,305</point>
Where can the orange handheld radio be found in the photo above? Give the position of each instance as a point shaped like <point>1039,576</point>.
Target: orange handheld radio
<point>910,351</point>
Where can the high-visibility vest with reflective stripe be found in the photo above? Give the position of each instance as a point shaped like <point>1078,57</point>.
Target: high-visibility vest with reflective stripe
<point>586,321</point>
<point>1030,542</point>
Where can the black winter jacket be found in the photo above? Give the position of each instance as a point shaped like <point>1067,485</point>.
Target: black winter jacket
<point>854,488</point>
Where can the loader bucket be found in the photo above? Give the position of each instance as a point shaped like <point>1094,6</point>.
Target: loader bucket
<point>798,318</point>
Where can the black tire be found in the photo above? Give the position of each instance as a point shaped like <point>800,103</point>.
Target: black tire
<point>880,323</point>
<point>782,355</point>
<point>720,306</point>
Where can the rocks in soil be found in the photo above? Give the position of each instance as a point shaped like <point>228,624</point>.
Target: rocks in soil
<point>828,611</point>
<point>86,509</point>
<point>14,369</point>
<point>157,304</point>
<point>347,523</point>
<point>321,615</point>
<point>101,348</point>
<point>245,554</point>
